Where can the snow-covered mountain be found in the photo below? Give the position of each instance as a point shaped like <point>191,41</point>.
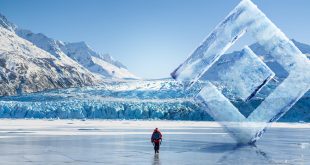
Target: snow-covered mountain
<point>33,62</point>
<point>52,47</point>
<point>26,68</point>
<point>43,42</point>
<point>6,24</point>
<point>80,52</point>
<point>102,64</point>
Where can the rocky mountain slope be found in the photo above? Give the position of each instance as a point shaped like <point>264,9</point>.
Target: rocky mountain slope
<point>27,68</point>
<point>32,62</point>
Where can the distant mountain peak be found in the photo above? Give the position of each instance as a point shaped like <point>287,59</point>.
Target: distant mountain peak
<point>82,44</point>
<point>79,45</point>
<point>31,62</point>
<point>6,23</point>
<point>98,63</point>
<point>80,52</point>
<point>304,48</point>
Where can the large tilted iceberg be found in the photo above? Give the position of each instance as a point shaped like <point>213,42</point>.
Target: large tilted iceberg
<point>249,76</point>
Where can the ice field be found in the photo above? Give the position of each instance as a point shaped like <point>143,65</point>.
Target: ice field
<point>128,142</point>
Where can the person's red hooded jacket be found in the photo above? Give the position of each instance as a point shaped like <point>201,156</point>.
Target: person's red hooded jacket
<point>156,136</point>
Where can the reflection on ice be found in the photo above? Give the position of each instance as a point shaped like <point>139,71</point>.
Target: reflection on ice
<point>183,143</point>
<point>156,160</point>
<point>242,153</point>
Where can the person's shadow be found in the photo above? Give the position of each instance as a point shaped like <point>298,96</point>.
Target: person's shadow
<point>239,154</point>
<point>156,160</point>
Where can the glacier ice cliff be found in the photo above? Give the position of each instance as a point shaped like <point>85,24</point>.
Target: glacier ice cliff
<point>156,99</point>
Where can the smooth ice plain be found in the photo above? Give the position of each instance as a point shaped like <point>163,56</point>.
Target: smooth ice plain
<point>128,142</point>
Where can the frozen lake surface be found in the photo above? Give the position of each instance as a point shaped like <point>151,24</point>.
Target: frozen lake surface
<point>128,142</point>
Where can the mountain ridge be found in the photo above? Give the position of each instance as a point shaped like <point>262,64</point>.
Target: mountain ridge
<point>73,50</point>
<point>26,68</point>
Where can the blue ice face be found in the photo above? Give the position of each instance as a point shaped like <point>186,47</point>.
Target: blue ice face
<point>242,75</point>
<point>246,75</point>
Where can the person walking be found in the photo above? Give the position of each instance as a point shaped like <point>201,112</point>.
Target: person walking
<point>156,139</point>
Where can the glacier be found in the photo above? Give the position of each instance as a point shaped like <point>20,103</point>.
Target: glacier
<point>134,99</point>
<point>247,18</point>
<point>118,100</point>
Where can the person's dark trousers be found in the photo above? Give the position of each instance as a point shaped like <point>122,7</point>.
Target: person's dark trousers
<point>156,146</point>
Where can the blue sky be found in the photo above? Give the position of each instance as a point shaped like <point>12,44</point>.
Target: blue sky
<point>151,37</point>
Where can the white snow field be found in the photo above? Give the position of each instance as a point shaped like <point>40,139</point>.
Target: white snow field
<point>128,142</point>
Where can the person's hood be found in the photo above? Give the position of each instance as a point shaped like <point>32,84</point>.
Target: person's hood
<point>156,130</point>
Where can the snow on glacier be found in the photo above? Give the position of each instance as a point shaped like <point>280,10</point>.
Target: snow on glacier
<point>246,17</point>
